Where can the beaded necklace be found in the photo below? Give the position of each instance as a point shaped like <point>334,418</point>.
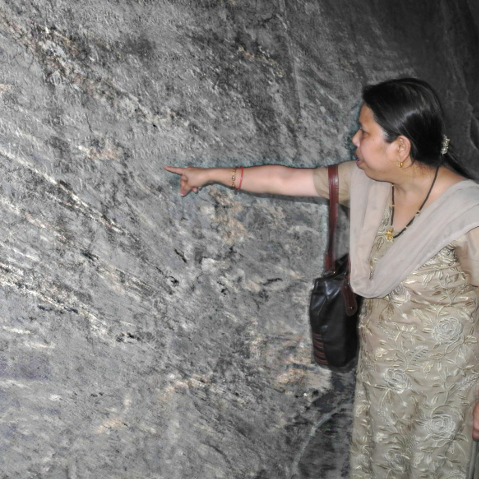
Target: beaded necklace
<point>390,231</point>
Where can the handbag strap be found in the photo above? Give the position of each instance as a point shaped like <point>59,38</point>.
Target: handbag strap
<point>333,181</point>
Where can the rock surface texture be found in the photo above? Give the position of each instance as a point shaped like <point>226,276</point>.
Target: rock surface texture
<point>149,336</point>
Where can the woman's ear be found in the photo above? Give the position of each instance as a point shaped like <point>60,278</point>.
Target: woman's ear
<point>403,145</point>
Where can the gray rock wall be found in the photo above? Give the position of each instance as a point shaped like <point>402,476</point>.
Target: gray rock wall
<point>145,335</point>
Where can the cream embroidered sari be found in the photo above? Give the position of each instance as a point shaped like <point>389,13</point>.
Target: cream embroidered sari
<point>418,373</point>
<point>418,369</point>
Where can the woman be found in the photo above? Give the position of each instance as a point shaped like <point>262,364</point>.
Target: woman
<point>414,251</point>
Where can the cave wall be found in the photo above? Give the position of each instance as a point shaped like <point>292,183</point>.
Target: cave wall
<point>145,335</point>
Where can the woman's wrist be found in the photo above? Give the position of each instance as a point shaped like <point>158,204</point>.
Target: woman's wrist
<point>219,175</point>
<point>231,176</point>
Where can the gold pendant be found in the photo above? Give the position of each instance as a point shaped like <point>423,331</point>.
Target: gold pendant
<point>389,234</point>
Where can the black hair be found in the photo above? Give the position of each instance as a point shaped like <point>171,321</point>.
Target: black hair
<point>410,107</point>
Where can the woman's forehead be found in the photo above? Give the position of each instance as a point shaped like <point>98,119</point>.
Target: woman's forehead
<point>366,115</point>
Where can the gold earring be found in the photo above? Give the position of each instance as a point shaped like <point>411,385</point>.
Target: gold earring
<point>400,163</point>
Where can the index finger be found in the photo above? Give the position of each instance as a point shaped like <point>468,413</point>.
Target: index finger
<point>174,169</point>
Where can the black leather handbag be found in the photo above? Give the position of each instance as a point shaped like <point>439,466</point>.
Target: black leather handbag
<point>333,309</point>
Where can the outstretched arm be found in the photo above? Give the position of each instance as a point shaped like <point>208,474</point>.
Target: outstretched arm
<point>475,422</point>
<point>274,179</point>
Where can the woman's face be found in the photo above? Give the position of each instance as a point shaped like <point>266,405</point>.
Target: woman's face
<point>376,157</point>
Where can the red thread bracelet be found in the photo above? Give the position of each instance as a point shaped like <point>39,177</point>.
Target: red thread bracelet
<point>241,179</point>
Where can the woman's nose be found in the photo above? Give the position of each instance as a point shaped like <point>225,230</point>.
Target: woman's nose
<point>355,139</point>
